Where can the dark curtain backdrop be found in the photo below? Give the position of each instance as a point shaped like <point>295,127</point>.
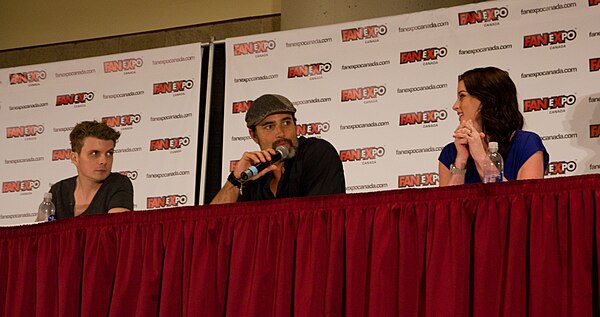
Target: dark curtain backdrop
<point>215,133</point>
<point>525,248</point>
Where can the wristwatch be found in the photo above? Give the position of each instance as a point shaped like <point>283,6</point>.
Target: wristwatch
<point>234,181</point>
<point>457,171</point>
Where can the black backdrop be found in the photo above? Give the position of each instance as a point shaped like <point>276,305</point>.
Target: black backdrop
<point>215,134</point>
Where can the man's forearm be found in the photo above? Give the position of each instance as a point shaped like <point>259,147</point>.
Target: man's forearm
<point>227,194</point>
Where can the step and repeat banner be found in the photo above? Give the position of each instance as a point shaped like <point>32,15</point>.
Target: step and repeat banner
<point>381,90</point>
<point>151,97</point>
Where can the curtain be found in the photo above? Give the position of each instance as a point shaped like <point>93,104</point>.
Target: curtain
<point>523,248</point>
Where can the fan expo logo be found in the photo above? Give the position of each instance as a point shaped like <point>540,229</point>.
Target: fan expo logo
<point>24,131</point>
<point>370,33</point>
<point>22,186</point>
<point>132,175</point>
<point>33,77</point>
<point>166,201</point>
<point>556,39</point>
<point>128,66</point>
<point>428,119</point>
<point>312,128</point>
<point>369,94</point>
<point>489,16</point>
<point>594,130</point>
<point>61,155</point>
<point>594,2</point>
<point>122,121</point>
<point>241,106</point>
<point>232,165</point>
<point>594,64</point>
<point>428,56</point>
<point>314,71</point>
<point>169,144</point>
<point>257,48</point>
<point>78,99</point>
<point>367,155</point>
<point>555,104</point>
<point>418,180</point>
<point>174,87</point>
<point>561,168</point>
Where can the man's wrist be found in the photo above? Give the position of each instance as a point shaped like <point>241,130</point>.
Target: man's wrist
<point>234,180</point>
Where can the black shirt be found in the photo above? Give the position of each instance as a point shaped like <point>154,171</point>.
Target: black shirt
<point>115,191</point>
<point>315,170</point>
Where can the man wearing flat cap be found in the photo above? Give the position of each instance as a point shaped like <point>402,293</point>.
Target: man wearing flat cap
<point>312,168</point>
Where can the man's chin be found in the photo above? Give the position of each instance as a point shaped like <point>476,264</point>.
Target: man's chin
<point>288,145</point>
<point>101,176</point>
<point>291,152</point>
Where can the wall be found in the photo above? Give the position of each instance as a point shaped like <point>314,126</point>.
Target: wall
<point>140,41</point>
<point>36,22</point>
<point>296,14</point>
<point>34,32</point>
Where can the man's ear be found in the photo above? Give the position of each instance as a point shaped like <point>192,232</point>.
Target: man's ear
<point>253,136</point>
<point>74,158</point>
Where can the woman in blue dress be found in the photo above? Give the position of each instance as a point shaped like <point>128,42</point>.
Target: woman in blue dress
<point>488,110</point>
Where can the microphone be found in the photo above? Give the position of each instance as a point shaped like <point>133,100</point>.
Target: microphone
<point>282,154</point>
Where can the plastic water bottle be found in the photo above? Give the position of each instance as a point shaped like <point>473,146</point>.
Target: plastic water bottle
<point>46,211</point>
<point>495,171</point>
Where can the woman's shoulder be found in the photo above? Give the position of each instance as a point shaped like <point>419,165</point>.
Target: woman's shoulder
<point>526,134</point>
<point>526,137</point>
<point>527,143</point>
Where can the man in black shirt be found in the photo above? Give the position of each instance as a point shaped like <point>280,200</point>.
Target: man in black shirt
<point>95,189</point>
<point>314,168</point>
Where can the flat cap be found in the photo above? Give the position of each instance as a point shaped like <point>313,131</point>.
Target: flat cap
<point>265,106</point>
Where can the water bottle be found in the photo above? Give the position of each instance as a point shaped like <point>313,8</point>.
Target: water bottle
<point>46,211</point>
<point>494,172</point>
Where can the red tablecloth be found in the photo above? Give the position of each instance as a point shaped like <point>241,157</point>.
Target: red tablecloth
<point>513,249</point>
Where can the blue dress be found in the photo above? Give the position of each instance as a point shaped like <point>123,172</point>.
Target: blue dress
<point>522,147</point>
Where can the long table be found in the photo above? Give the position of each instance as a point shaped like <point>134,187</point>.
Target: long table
<point>525,248</point>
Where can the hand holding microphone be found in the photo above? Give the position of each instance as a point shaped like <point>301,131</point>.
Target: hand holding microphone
<point>282,153</point>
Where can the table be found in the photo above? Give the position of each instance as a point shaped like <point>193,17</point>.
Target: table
<point>523,248</point>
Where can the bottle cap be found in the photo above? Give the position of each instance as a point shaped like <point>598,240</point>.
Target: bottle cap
<point>48,196</point>
<point>493,146</point>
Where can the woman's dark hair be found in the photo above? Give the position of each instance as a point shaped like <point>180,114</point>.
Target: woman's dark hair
<point>499,112</point>
<point>94,129</point>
